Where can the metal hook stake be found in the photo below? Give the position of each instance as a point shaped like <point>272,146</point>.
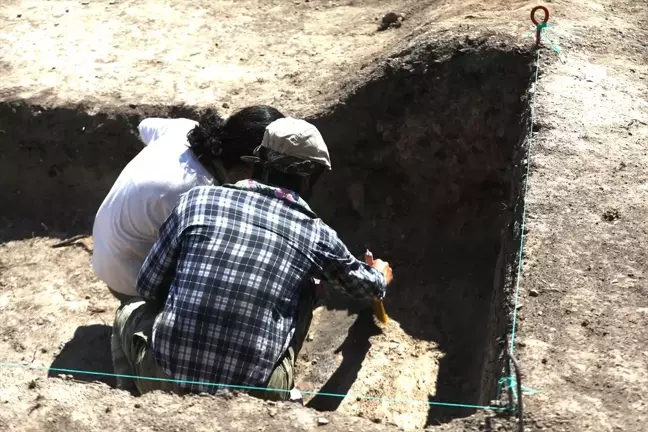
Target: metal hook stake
<point>539,25</point>
<point>518,383</point>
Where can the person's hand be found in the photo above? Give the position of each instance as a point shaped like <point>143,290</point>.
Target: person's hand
<point>384,268</point>
<point>380,265</point>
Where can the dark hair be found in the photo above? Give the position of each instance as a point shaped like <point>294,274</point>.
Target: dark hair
<point>230,139</point>
<point>288,181</point>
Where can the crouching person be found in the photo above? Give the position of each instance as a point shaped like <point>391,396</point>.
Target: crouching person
<point>227,291</point>
<point>179,154</point>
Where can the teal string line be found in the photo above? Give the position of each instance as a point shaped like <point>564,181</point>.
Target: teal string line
<point>524,207</point>
<point>507,383</point>
<point>524,202</point>
<point>241,387</point>
<point>544,28</point>
<point>510,381</point>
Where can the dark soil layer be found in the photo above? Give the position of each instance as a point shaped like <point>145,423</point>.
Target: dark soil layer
<point>58,164</point>
<point>427,159</point>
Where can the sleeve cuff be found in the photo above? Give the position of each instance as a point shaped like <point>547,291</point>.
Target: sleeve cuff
<point>382,285</point>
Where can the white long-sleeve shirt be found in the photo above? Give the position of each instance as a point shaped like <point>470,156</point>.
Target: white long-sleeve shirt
<point>127,223</point>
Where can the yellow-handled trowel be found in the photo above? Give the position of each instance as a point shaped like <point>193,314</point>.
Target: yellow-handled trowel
<point>376,304</point>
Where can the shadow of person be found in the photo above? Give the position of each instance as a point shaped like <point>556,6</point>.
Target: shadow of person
<point>88,351</point>
<point>354,350</point>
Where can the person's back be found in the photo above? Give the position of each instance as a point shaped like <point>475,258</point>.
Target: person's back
<point>179,154</point>
<point>247,253</point>
<point>128,220</point>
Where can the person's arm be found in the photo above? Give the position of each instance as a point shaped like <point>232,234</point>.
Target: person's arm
<point>348,274</point>
<point>159,267</point>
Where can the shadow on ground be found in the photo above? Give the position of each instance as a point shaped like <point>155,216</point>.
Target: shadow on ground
<point>89,352</point>
<point>354,350</point>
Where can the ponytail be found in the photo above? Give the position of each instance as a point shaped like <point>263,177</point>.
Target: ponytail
<point>219,144</point>
<point>205,138</point>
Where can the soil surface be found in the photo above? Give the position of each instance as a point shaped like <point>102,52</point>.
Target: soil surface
<point>583,303</point>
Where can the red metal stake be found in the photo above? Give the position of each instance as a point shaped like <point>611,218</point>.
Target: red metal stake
<point>539,25</point>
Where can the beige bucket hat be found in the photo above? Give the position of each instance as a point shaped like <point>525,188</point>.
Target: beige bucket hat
<point>292,146</point>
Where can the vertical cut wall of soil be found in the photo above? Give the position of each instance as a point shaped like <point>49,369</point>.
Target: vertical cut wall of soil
<point>58,164</point>
<point>427,171</point>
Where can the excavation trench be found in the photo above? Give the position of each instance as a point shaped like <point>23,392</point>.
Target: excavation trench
<point>427,166</point>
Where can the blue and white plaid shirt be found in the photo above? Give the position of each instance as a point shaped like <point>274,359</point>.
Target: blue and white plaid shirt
<point>228,266</point>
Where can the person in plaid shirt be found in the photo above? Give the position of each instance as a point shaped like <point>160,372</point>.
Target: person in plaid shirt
<point>227,290</point>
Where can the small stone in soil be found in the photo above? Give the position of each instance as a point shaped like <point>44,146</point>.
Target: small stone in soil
<point>534,293</point>
<point>322,421</point>
<point>226,105</point>
<point>138,405</point>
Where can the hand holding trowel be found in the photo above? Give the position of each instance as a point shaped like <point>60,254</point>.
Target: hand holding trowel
<point>376,303</point>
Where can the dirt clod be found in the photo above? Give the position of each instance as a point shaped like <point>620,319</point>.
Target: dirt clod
<point>611,215</point>
<point>391,20</point>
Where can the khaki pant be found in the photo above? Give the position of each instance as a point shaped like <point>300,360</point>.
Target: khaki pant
<point>133,356</point>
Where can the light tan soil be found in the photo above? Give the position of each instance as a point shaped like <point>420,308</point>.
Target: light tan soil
<point>581,338</point>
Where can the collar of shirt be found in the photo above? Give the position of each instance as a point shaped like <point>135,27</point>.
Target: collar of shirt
<point>276,192</point>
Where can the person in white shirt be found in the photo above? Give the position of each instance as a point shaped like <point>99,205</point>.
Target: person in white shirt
<point>179,154</point>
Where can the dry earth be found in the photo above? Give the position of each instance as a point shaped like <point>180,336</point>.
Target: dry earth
<point>581,333</point>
